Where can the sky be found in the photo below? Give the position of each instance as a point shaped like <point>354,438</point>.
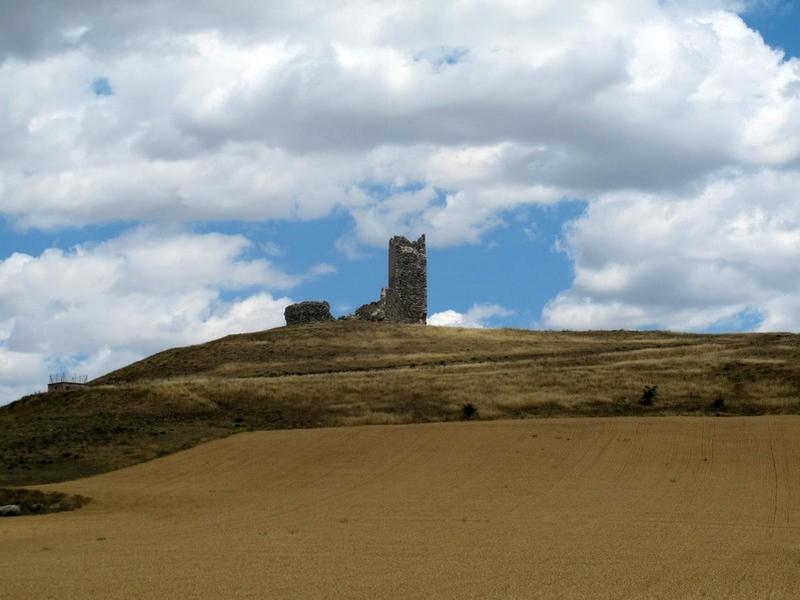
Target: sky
<point>174,172</point>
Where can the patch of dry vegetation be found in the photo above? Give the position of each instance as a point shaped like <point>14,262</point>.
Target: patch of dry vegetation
<point>347,373</point>
<point>35,502</point>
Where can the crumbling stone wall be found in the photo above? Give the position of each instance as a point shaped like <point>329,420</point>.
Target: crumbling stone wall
<point>374,311</point>
<point>307,312</point>
<point>405,300</point>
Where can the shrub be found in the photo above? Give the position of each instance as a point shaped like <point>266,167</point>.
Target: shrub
<point>648,395</point>
<point>17,501</point>
<point>468,410</point>
<point>10,510</point>
<point>718,403</point>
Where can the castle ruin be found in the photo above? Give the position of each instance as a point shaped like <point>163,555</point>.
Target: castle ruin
<point>309,311</point>
<point>405,300</point>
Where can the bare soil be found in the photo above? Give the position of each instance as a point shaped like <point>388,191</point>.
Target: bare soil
<point>631,507</point>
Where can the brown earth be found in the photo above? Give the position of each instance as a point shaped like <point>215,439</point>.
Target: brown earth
<point>674,507</point>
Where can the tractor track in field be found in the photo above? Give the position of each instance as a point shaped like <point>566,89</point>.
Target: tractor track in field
<point>675,507</point>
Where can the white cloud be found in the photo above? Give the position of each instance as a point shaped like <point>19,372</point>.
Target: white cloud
<point>98,307</point>
<point>21,373</point>
<point>478,316</point>
<point>255,111</point>
<point>686,261</point>
<point>674,120</point>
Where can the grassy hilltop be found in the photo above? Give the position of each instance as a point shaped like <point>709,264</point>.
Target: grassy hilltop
<point>352,372</point>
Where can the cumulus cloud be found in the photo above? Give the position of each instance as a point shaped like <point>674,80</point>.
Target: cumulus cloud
<point>20,373</point>
<point>478,316</point>
<point>688,261</point>
<point>255,111</point>
<point>676,123</point>
<point>100,306</point>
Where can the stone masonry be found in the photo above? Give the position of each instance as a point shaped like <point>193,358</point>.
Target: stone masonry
<point>307,312</point>
<point>405,300</point>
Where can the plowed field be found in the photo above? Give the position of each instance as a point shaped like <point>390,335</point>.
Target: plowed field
<point>574,508</point>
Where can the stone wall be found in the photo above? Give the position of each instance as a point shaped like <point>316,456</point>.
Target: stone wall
<point>374,311</point>
<point>65,386</point>
<point>406,298</point>
<point>307,312</point>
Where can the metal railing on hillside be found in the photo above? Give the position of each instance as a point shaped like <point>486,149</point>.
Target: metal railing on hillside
<point>69,378</point>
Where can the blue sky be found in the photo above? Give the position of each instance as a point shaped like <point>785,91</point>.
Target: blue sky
<point>779,25</point>
<point>574,165</point>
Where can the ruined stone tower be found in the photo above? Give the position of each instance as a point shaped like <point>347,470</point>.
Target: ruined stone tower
<point>406,298</point>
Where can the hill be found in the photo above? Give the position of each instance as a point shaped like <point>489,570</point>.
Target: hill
<point>352,372</point>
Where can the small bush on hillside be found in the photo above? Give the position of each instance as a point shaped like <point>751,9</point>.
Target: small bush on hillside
<point>648,395</point>
<point>718,403</point>
<point>10,510</point>
<point>468,411</point>
<point>14,502</point>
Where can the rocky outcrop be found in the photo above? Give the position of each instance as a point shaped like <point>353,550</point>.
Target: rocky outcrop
<point>307,312</point>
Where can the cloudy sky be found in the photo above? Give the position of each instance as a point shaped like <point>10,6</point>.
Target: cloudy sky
<point>171,172</point>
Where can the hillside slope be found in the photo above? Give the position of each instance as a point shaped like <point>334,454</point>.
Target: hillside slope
<point>352,372</point>
<point>557,508</point>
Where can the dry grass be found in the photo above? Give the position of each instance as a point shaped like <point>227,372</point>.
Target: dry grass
<point>348,373</point>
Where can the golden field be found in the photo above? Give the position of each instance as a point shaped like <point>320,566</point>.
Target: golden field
<point>601,508</point>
